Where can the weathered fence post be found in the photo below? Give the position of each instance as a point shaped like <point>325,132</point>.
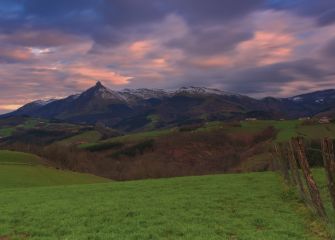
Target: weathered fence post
<point>296,173</point>
<point>312,187</point>
<point>329,164</point>
<point>282,163</point>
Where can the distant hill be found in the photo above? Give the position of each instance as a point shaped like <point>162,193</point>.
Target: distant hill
<point>135,109</point>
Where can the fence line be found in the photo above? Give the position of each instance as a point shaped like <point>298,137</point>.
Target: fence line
<point>329,163</point>
<point>293,164</point>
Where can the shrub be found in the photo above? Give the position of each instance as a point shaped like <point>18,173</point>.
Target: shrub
<point>267,134</point>
<point>191,127</point>
<point>132,151</point>
<point>104,146</point>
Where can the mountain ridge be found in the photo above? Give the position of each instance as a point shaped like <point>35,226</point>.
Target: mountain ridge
<point>132,109</point>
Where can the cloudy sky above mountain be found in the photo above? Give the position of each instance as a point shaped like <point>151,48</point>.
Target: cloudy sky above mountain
<point>256,47</point>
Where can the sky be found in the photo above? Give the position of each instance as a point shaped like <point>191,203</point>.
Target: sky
<point>51,49</point>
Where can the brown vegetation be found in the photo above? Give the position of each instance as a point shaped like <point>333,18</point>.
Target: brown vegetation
<point>179,154</point>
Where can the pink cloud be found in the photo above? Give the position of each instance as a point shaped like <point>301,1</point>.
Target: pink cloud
<point>141,48</point>
<point>9,107</point>
<point>98,74</point>
<point>268,48</point>
<point>37,38</point>
<point>15,54</point>
<point>213,62</point>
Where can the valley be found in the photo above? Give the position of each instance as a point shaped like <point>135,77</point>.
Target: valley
<point>167,120</point>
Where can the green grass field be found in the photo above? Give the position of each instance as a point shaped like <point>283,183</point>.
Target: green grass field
<point>31,123</point>
<point>317,131</point>
<point>39,202</point>
<point>132,137</point>
<point>83,138</point>
<point>246,206</point>
<point>6,132</point>
<point>14,158</point>
<point>18,170</point>
<point>286,130</point>
<point>290,128</point>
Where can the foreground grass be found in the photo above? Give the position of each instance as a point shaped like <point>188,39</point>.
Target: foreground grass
<point>246,206</point>
<point>320,177</point>
<point>18,170</point>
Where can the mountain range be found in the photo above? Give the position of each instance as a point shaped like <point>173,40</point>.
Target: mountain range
<point>134,109</point>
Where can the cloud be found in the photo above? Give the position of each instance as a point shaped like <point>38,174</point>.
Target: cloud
<point>329,50</point>
<point>281,79</point>
<point>258,47</point>
<point>96,74</point>
<point>214,10</point>
<point>11,107</point>
<point>267,48</point>
<point>11,54</point>
<point>209,40</point>
<point>322,11</point>
<point>39,38</point>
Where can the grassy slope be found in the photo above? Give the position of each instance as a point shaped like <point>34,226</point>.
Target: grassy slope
<point>10,157</point>
<point>292,128</point>
<point>320,177</point>
<point>317,131</point>
<point>133,137</point>
<point>6,132</point>
<point>23,170</point>
<point>87,137</point>
<point>246,206</point>
<point>286,130</point>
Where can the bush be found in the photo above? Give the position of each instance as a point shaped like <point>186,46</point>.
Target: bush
<point>104,146</point>
<point>191,127</point>
<point>132,151</point>
<point>267,134</point>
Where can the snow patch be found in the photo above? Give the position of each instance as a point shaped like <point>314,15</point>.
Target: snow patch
<point>297,99</point>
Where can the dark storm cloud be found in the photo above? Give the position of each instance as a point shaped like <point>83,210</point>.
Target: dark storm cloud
<point>213,10</point>
<point>54,48</point>
<point>204,40</point>
<point>129,12</point>
<point>108,21</point>
<point>124,12</point>
<point>59,8</point>
<point>322,10</point>
<point>270,78</point>
<point>329,50</point>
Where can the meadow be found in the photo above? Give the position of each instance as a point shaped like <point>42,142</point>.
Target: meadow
<point>37,202</point>
<point>21,170</point>
<point>41,202</point>
<point>286,130</point>
<point>245,206</point>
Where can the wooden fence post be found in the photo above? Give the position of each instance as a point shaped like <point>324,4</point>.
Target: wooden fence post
<point>296,173</point>
<point>329,164</point>
<point>282,163</point>
<point>312,187</point>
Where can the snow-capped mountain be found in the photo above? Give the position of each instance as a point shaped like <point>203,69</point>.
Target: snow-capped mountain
<point>132,109</point>
<point>202,91</point>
